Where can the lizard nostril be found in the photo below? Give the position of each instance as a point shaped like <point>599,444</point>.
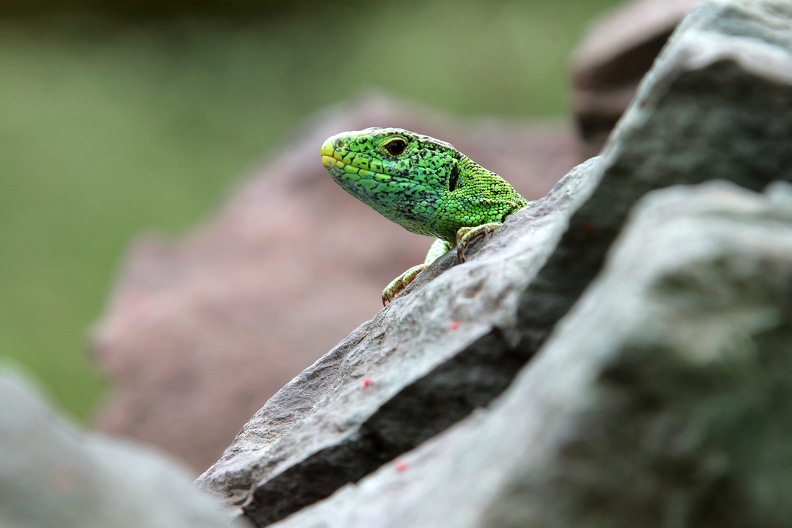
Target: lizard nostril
<point>340,143</point>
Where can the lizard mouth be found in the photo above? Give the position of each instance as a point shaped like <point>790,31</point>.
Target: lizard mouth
<point>351,173</point>
<point>329,162</point>
<point>327,148</point>
<point>337,167</point>
<point>335,164</point>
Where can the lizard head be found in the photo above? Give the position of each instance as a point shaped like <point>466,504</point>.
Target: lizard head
<point>401,174</point>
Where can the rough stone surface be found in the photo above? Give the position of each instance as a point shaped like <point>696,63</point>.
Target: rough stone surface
<point>52,476</point>
<point>717,105</point>
<point>663,399</point>
<point>614,56</point>
<point>203,330</point>
<point>430,358</point>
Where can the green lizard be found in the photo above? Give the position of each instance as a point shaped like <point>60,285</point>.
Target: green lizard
<point>423,184</point>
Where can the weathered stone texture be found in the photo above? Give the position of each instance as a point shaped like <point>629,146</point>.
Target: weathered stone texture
<point>716,105</point>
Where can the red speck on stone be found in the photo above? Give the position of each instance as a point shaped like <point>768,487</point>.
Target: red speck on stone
<point>366,382</point>
<point>454,325</point>
<point>400,465</point>
<point>588,228</point>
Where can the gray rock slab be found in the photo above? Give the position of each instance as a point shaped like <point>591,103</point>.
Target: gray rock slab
<point>430,358</point>
<point>716,105</point>
<point>51,475</point>
<point>664,398</point>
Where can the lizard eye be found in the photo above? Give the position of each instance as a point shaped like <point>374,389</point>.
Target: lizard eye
<point>396,147</point>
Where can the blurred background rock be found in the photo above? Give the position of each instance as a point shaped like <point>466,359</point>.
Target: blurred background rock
<point>119,118</point>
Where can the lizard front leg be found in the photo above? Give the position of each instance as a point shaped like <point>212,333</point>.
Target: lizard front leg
<point>438,249</point>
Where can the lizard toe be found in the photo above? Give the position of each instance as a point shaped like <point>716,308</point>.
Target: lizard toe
<point>395,287</point>
<point>466,235</point>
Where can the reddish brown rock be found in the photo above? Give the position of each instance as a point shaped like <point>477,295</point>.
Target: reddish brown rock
<point>613,58</point>
<point>203,330</point>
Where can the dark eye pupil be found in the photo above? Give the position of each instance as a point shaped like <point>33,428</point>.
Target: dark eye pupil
<point>396,146</point>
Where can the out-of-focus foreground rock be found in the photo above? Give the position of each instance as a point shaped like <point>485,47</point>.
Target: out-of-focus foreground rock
<point>53,476</point>
<point>651,308</point>
<point>202,331</point>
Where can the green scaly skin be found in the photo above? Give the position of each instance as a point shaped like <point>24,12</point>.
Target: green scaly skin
<point>423,184</point>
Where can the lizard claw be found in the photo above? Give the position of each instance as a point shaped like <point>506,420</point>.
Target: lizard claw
<point>466,235</point>
<point>398,284</point>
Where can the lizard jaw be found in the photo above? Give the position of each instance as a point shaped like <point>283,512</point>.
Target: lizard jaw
<point>328,161</point>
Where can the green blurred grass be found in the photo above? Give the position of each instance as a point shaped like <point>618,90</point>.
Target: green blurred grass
<point>109,128</point>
